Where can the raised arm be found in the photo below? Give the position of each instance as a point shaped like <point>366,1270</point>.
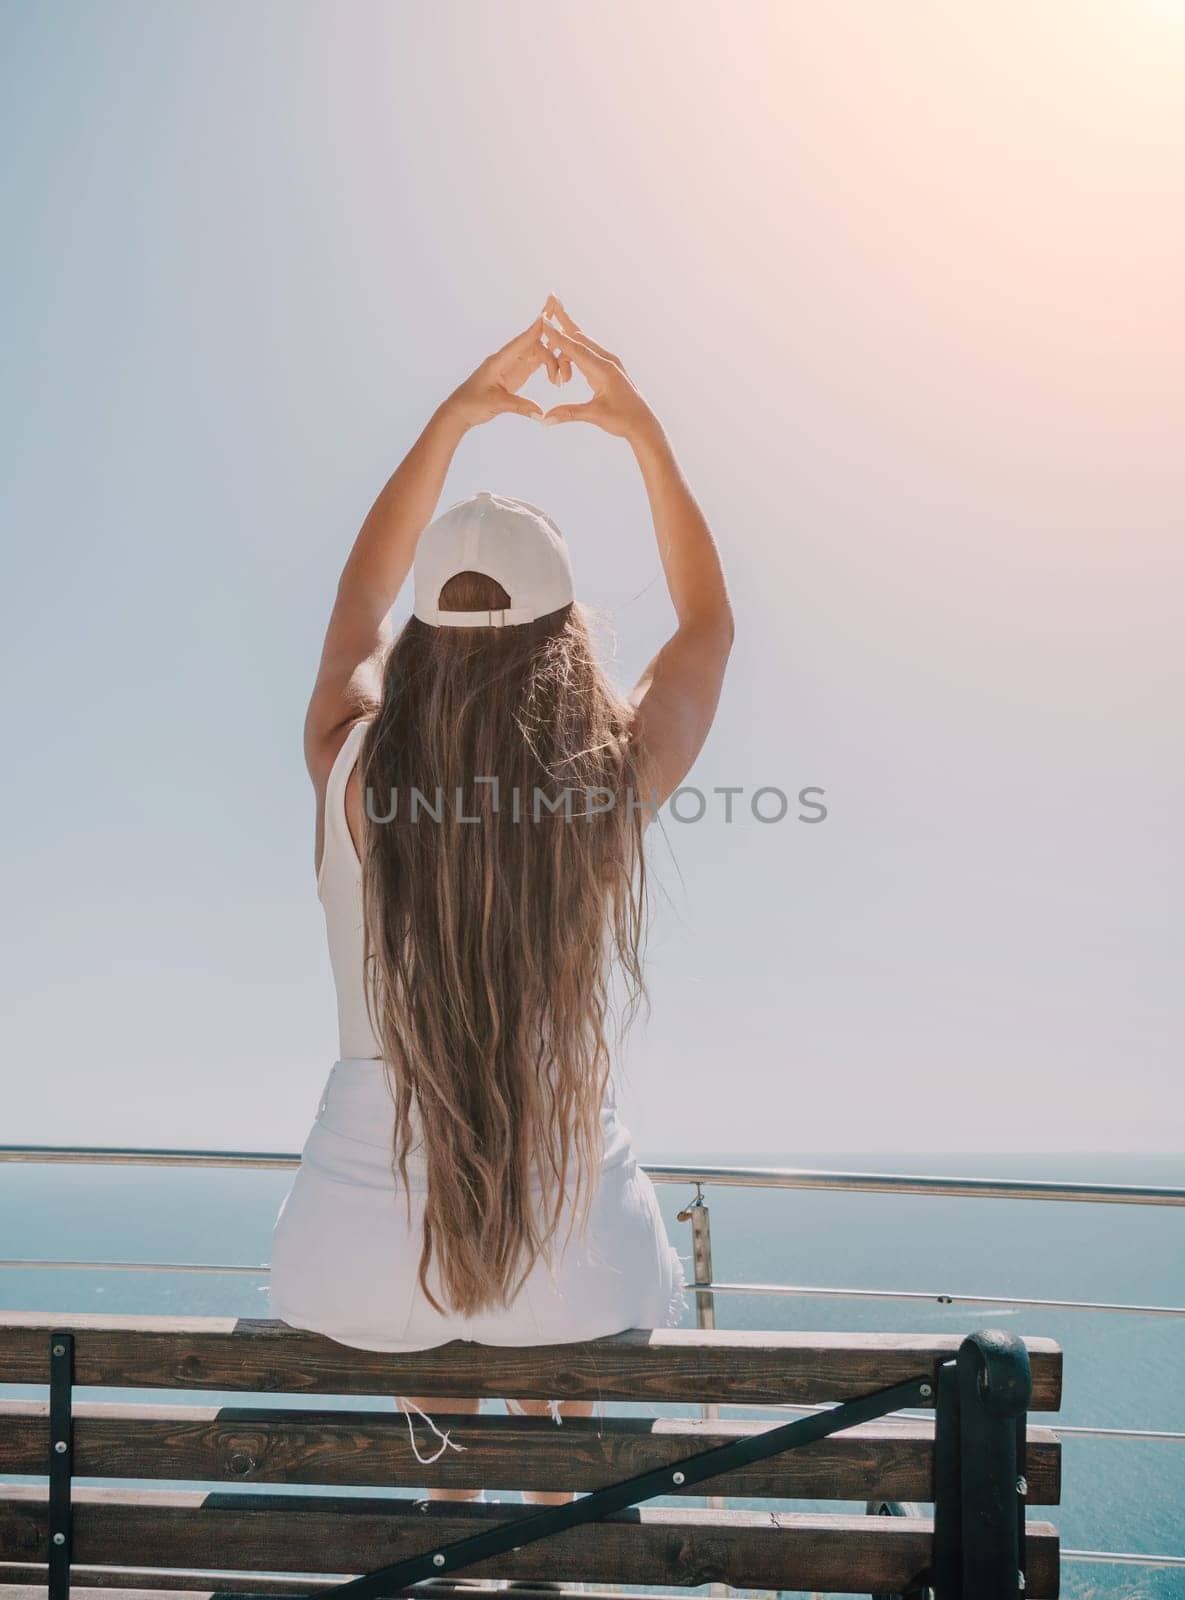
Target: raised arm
<point>677,694</point>
<point>348,678</point>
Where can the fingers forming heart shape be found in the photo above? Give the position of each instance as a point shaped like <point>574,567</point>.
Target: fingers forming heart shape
<point>555,341</point>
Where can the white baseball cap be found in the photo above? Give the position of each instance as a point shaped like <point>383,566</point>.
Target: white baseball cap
<point>508,540</point>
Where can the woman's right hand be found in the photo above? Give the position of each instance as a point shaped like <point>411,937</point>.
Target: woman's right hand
<point>616,406</point>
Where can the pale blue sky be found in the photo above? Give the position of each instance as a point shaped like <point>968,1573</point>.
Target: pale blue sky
<point>903,283</point>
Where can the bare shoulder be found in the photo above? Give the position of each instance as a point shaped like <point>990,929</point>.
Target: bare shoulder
<point>675,701</point>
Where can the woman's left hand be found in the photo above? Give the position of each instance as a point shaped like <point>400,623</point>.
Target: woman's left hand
<point>493,388</point>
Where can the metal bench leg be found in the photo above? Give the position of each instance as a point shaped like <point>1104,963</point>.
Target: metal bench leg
<point>946,1569</point>
<point>995,1389</point>
<point>979,1465</point>
<point>61,1463</point>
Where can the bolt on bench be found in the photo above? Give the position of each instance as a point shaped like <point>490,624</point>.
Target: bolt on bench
<point>978,1463</point>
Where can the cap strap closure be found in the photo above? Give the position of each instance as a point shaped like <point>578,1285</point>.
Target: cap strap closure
<point>508,616</point>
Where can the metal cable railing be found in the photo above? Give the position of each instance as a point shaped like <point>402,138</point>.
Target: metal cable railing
<point>735,1177</point>
<point>940,1297</point>
<point>703,1284</point>
<point>819,1291</point>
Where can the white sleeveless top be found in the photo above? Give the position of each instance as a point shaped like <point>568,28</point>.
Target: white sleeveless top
<point>339,888</point>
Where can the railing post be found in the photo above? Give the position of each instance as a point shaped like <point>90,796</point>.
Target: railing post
<point>699,1214</point>
<point>700,1217</point>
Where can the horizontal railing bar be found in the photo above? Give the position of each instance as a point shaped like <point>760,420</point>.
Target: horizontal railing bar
<point>1123,1558</point>
<point>138,1266</point>
<point>916,1183</point>
<point>939,1296</point>
<point>743,1177</point>
<point>127,1156</point>
<point>823,1291</point>
<point>1084,1432</point>
<point>1081,1431</point>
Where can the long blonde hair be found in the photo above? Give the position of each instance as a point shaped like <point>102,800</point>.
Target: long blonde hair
<point>489,970</point>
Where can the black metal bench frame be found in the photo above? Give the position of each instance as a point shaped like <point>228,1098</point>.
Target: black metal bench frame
<point>981,1406</point>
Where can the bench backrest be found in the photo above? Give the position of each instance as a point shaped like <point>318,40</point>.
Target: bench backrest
<point>366,1450</point>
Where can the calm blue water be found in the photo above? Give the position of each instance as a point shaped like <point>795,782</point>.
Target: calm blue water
<point>1121,1370</point>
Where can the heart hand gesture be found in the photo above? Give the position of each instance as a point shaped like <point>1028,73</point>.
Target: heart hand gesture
<point>492,389</point>
<point>616,406</point>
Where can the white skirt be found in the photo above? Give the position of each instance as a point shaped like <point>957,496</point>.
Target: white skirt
<point>345,1261</point>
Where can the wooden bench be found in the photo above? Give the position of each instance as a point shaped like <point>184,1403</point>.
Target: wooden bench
<point>978,1464</point>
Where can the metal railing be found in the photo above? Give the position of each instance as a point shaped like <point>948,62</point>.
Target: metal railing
<point>734,1177</point>
<point>705,1288</point>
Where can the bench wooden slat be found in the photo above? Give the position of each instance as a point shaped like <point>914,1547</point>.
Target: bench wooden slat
<point>664,1365</point>
<point>891,1460</point>
<point>650,1545</point>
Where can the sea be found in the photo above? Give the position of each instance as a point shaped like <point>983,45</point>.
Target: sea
<point>1124,1370</point>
